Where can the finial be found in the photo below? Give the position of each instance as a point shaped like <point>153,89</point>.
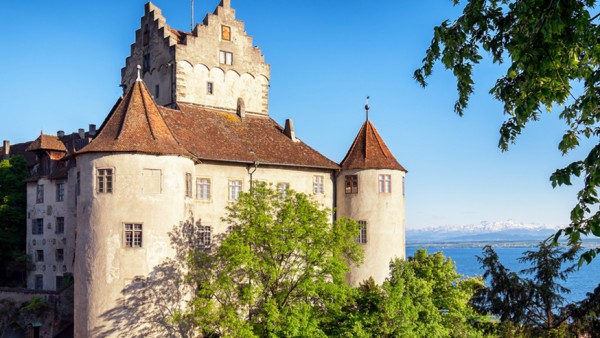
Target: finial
<point>139,68</point>
<point>367,107</point>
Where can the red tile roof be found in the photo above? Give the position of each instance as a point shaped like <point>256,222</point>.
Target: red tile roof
<point>135,125</point>
<point>47,142</point>
<point>370,152</point>
<point>223,136</point>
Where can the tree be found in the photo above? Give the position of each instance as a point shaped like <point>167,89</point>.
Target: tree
<point>550,46</point>
<point>13,204</point>
<point>530,303</point>
<point>424,296</point>
<point>280,271</point>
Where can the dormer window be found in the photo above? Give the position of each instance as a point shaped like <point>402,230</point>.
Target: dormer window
<point>225,33</point>
<point>225,58</point>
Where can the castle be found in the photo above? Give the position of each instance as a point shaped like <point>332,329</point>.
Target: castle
<point>189,134</point>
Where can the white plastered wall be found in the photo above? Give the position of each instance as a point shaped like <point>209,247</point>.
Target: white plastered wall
<point>385,217</point>
<point>103,264</point>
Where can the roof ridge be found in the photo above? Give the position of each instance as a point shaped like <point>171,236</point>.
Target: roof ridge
<point>146,113</point>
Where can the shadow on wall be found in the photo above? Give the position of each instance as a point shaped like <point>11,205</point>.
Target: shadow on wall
<point>155,305</point>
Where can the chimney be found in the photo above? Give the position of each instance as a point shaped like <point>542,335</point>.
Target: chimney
<point>241,108</point>
<point>6,150</point>
<point>60,133</point>
<point>81,133</point>
<point>289,130</point>
<point>92,131</point>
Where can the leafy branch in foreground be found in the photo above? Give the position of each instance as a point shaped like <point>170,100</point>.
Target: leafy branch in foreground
<point>549,46</point>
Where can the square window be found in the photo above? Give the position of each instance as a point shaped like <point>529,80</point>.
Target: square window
<point>39,255</point>
<point>203,188</point>
<point>209,88</point>
<point>133,235</point>
<point>204,236</point>
<point>60,255</point>
<point>351,184</point>
<point>225,58</point>
<point>104,181</point>
<point>385,183</point>
<point>235,187</point>
<point>37,226</point>
<point>60,192</point>
<point>225,33</point>
<point>60,225</point>
<point>318,185</point>
<point>39,282</point>
<point>39,195</point>
<point>362,232</point>
<point>283,187</point>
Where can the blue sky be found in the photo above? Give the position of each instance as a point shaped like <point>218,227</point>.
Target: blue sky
<point>61,64</point>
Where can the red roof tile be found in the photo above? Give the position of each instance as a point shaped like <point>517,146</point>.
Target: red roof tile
<point>135,125</point>
<point>222,136</point>
<point>369,152</point>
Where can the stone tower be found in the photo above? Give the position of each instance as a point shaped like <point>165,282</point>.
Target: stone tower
<point>131,191</point>
<point>215,66</point>
<point>370,189</point>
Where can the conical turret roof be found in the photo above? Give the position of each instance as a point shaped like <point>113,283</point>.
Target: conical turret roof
<point>369,152</point>
<point>135,125</point>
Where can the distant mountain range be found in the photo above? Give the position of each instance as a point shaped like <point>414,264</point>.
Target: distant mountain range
<point>505,231</point>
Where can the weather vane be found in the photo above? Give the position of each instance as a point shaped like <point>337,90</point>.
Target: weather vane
<point>367,107</point>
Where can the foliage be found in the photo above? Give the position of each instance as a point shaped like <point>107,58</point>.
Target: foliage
<point>279,272</point>
<point>530,304</point>
<point>586,314</point>
<point>423,297</point>
<point>13,204</point>
<point>550,47</point>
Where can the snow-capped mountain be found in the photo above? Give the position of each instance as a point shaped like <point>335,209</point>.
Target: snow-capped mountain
<point>484,231</point>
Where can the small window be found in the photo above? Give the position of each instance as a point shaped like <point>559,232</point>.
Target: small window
<point>60,255</point>
<point>385,183</point>
<point>146,36</point>
<point>156,91</point>
<point>205,236</point>
<point>188,185</point>
<point>209,88</point>
<point>60,192</point>
<point>235,187</point>
<point>203,188</point>
<point>39,282</point>
<point>104,181</point>
<point>60,225</point>
<point>39,255</point>
<point>225,58</point>
<point>225,33</point>
<point>318,185</point>
<point>39,194</point>
<point>146,63</point>
<point>133,235</point>
<point>351,184</point>
<point>283,187</point>
<point>362,232</point>
<point>37,226</point>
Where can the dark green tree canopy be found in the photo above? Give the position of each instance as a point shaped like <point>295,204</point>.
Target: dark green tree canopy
<point>550,46</point>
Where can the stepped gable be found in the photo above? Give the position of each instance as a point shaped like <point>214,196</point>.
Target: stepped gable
<point>222,136</point>
<point>135,125</point>
<point>47,142</point>
<point>369,152</point>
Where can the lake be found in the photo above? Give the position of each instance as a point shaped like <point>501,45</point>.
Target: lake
<point>580,282</point>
